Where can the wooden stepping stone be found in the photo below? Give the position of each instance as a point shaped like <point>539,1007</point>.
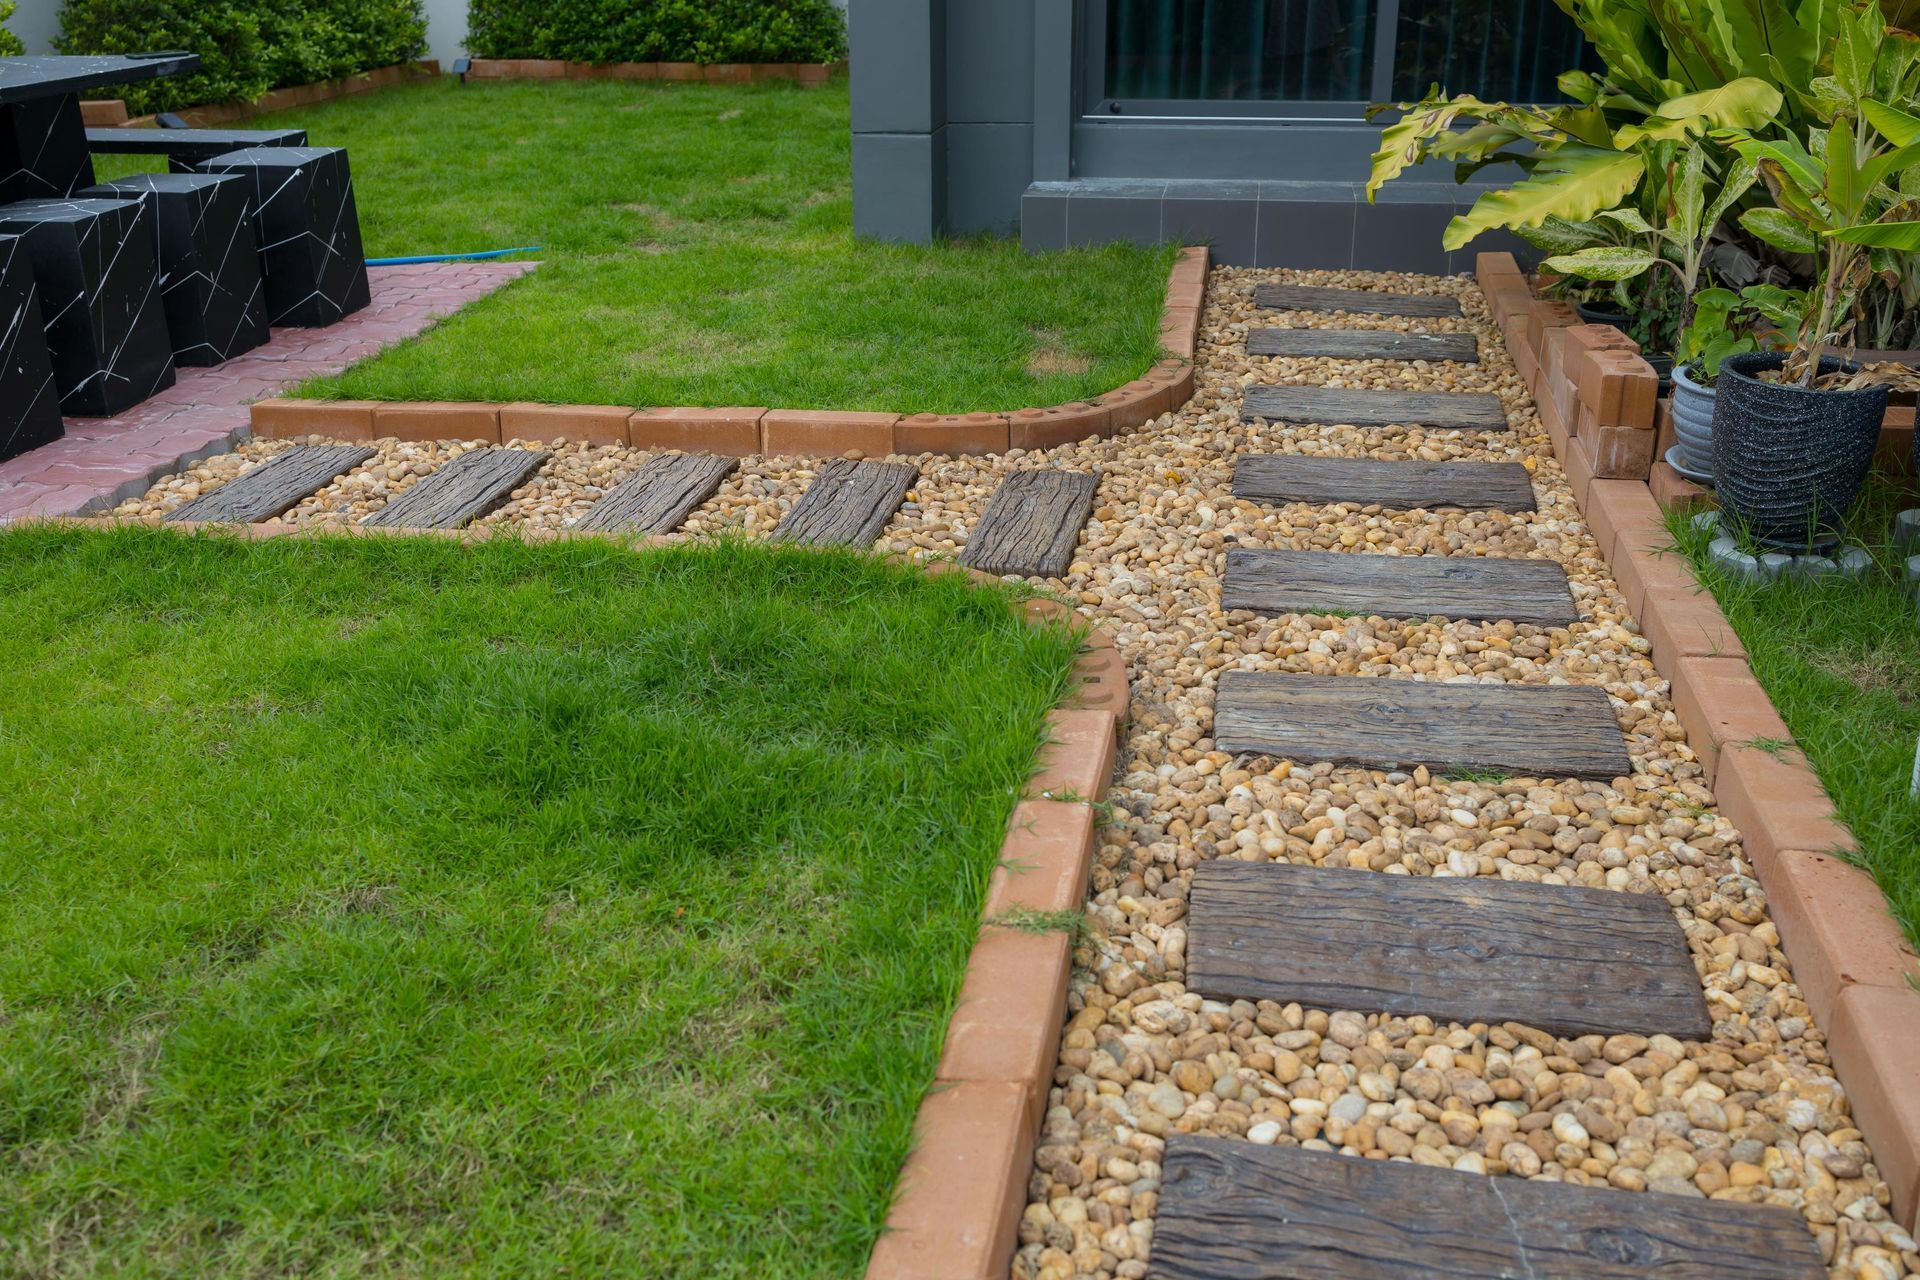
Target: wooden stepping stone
<point>465,489</point>
<point>1300,297</point>
<point>661,494</point>
<point>1534,730</point>
<point>268,490</point>
<point>1363,344</point>
<point>1402,486</point>
<point>1032,524</point>
<point>1456,587</point>
<point>848,502</point>
<point>1569,961</point>
<point>1232,1209</point>
<point>1360,407</point>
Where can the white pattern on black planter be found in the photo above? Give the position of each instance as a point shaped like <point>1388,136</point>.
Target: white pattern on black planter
<point>307,228</point>
<point>29,403</point>
<point>209,267</point>
<point>100,298</point>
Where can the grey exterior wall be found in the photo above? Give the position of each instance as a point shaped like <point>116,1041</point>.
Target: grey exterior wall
<point>966,119</point>
<point>36,22</point>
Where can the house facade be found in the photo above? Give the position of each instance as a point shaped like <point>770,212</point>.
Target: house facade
<point>1236,122</point>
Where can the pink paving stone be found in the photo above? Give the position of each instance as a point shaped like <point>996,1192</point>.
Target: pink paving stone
<point>205,411</point>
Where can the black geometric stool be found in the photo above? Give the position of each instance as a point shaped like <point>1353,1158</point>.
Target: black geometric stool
<point>100,297</point>
<point>307,228</point>
<point>43,150</point>
<point>29,403</point>
<point>209,269</point>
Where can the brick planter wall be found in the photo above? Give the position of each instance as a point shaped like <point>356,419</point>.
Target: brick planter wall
<point>1849,955</point>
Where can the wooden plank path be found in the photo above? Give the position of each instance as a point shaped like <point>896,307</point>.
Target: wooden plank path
<point>1361,407</point>
<point>1534,730</point>
<point>462,490</point>
<point>661,494</point>
<point>1401,486</point>
<point>848,502</point>
<point>272,488</point>
<point>1300,297</point>
<point>1234,1209</point>
<point>1569,961</point>
<point>1481,587</point>
<point>1363,344</point>
<point>1032,524</point>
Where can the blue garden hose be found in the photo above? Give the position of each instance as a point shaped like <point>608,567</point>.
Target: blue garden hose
<point>449,257</point>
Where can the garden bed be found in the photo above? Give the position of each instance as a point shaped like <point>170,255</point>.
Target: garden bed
<point>517,902</point>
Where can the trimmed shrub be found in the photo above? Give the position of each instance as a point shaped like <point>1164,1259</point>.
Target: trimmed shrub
<point>9,42</point>
<point>246,47</point>
<point>705,31</point>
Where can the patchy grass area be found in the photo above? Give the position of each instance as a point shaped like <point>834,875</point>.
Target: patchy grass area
<point>393,907</point>
<point>1841,660</point>
<point>699,250</point>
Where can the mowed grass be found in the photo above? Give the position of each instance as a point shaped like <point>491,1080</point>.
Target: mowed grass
<point>1841,662</point>
<point>391,907</point>
<point>698,250</point>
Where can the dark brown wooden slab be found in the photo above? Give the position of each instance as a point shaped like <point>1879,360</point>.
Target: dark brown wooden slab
<point>1363,344</point>
<point>270,489</point>
<point>1300,297</point>
<point>848,502</point>
<point>465,489</point>
<point>1360,407</point>
<point>1534,730</point>
<point>1236,1211</point>
<point>1032,524</point>
<point>1475,486</point>
<point>1568,961</point>
<point>1457,587</point>
<point>661,494</point>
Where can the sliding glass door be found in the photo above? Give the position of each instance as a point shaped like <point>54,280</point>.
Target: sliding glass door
<point>1242,57</point>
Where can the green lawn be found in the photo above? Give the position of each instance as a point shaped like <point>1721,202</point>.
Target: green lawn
<point>388,907</point>
<point>1841,661</point>
<point>699,250</point>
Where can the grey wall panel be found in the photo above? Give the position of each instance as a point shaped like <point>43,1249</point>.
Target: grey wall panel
<point>899,185</point>
<point>988,167</point>
<point>896,65</point>
<point>990,61</point>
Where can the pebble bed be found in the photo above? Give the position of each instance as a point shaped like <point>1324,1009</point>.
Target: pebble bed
<point>1754,1115</point>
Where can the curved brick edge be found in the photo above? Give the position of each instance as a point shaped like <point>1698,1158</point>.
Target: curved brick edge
<point>1850,956</point>
<point>809,75</point>
<point>738,431</point>
<point>214,114</point>
<point>957,1204</point>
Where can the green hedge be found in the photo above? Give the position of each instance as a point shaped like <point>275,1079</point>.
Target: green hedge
<point>246,46</point>
<point>9,42</point>
<point>704,31</point>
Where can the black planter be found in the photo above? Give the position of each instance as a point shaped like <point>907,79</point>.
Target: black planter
<point>1602,313</point>
<point>1788,462</point>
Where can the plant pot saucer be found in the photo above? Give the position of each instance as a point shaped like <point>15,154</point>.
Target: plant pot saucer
<point>1698,477</point>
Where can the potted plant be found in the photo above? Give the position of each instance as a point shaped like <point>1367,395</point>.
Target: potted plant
<point>1718,330</point>
<point>1794,433</point>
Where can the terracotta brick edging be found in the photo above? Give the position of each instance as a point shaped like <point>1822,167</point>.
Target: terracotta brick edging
<point>808,75</point>
<point>739,431</point>
<point>1849,955</point>
<point>956,1210</point>
<point>213,114</point>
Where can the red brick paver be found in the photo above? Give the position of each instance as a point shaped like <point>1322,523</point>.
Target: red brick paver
<point>103,461</point>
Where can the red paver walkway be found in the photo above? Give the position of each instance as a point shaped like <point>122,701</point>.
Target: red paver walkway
<point>104,461</point>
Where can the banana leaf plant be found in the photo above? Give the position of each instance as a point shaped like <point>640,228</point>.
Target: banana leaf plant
<point>1847,193</point>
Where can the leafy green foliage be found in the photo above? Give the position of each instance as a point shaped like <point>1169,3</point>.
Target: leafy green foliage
<point>705,31</point>
<point>9,42</point>
<point>391,907</point>
<point>246,47</point>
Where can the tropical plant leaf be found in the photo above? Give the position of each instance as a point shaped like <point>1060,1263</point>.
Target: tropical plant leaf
<point>1557,235</point>
<point>1889,164</point>
<point>1901,128</point>
<point>1579,86</point>
<point>1845,190</point>
<point>1902,236</point>
<point>1741,176</point>
<point>1603,262</point>
<point>1780,229</point>
<point>1790,159</point>
<point>1746,103</point>
<point>1574,182</point>
<point>1629,217</point>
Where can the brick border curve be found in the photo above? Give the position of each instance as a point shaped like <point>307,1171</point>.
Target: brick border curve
<point>958,1197</point>
<point>740,431</point>
<point>1850,956</point>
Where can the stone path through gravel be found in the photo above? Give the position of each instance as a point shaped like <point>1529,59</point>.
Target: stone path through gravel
<point>1749,1115</point>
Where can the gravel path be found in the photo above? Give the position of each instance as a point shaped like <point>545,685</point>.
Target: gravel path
<point>1756,1114</point>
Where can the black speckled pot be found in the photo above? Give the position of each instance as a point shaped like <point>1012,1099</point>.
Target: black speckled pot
<point>1788,462</point>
